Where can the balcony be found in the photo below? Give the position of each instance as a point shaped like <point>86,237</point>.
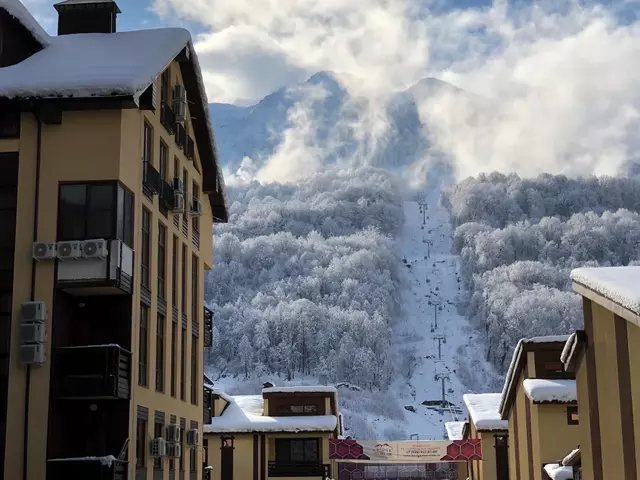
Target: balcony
<point>189,148</point>
<point>106,273</point>
<point>208,327</point>
<point>181,135</point>
<point>168,118</point>
<point>151,179</point>
<point>167,196</point>
<point>94,468</point>
<point>299,470</point>
<point>92,372</point>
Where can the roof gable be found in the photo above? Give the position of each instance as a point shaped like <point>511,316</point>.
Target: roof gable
<point>16,9</point>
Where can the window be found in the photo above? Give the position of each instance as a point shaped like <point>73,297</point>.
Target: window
<point>194,289</point>
<point>125,216</point>
<point>164,159</point>
<point>160,353</point>
<point>158,432</point>
<point>298,409</point>
<point>181,463</point>
<point>9,121</point>
<point>176,167</point>
<point>147,148</point>
<point>174,340</point>
<point>88,210</point>
<point>143,347</point>
<point>162,259</point>
<point>185,182</point>
<point>193,457</point>
<point>194,369</point>
<point>195,221</point>
<point>146,247</point>
<point>141,443</point>
<point>165,84</point>
<point>297,450</point>
<point>184,279</point>
<point>174,273</point>
<point>572,416</point>
<point>183,362</point>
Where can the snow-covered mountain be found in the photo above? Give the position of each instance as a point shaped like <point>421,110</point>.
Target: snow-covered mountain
<point>256,131</point>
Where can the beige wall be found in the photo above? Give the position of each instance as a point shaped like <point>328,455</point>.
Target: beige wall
<point>96,145</point>
<point>553,436</point>
<point>633,332</point>
<point>584,431</point>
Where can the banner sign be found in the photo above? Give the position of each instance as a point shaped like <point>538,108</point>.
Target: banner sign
<point>426,451</point>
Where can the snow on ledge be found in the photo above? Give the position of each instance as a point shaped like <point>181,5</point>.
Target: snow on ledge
<point>543,390</point>
<point>566,460</point>
<point>16,9</point>
<point>301,389</point>
<point>244,415</point>
<point>228,398</point>
<point>454,430</point>
<point>557,472</point>
<point>106,461</point>
<point>618,284</point>
<point>483,410</point>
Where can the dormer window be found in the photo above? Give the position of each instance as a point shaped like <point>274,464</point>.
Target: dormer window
<point>298,409</point>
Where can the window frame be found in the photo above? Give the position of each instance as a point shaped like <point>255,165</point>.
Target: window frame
<point>143,346</point>
<point>161,325</point>
<point>184,279</point>
<point>147,143</point>
<point>145,248</point>
<point>163,160</point>
<point>195,278</point>
<point>195,195</point>
<point>290,443</point>
<point>141,443</point>
<point>194,369</point>
<point>158,432</point>
<point>183,363</point>
<point>174,352</point>
<point>571,411</point>
<point>174,272</point>
<point>162,261</point>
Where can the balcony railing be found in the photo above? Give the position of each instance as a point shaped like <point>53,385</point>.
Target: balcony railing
<point>94,468</point>
<point>92,372</point>
<point>167,196</point>
<point>168,118</point>
<point>299,470</point>
<point>208,327</point>
<point>181,135</point>
<point>189,147</point>
<point>151,178</point>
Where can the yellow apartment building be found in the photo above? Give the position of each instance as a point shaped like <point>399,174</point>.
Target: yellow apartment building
<point>539,400</point>
<point>486,424</point>
<point>606,361</point>
<point>109,186</point>
<point>282,433</point>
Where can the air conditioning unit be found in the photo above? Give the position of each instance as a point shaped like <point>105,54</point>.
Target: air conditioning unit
<point>33,312</point>
<point>178,185</point>
<point>96,248</point>
<point>32,354</point>
<point>32,333</point>
<point>69,250</point>
<point>178,203</point>
<point>196,208</point>
<point>158,447</point>
<point>44,251</point>
<point>173,432</point>
<point>174,450</point>
<point>192,437</point>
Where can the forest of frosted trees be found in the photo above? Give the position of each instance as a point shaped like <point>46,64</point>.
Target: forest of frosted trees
<point>518,240</point>
<point>306,279</point>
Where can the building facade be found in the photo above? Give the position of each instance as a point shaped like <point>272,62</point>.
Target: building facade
<point>109,186</point>
<point>282,433</point>
<point>606,361</point>
<point>485,424</point>
<point>539,401</point>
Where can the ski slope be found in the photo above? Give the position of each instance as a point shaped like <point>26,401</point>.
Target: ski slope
<point>430,294</point>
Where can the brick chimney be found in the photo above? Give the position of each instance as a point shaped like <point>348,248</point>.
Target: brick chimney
<point>87,16</point>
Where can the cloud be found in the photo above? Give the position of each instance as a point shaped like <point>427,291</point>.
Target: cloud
<point>551,87</point>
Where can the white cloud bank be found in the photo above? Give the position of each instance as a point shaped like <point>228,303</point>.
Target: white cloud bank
<point>557,84</point>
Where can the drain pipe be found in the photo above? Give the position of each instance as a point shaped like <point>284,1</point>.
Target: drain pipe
<point>27,390</point>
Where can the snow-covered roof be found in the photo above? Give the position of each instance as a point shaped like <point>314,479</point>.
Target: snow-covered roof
<point>455,430</point>
<point>483,410</point>
<point>558,472</point>
<point>571,457</point>
<point>95,64</point>
<point>618,284</point>
<point>228,398</point>
<point>16,9</point>
<point>517,361</point>
<point>106,461</point>
<point>542,390</point>
<point>244,415</point>
<point>568,348</point>
<point>301,389</point>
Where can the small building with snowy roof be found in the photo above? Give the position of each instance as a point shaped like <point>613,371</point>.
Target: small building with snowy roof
<point>605,357</point>
<point>282,432</point>
<point>486,424</point>
<point>539,401</point>
<point>455,431</point>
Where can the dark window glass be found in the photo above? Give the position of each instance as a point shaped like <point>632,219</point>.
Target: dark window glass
<point>194,369</point>
<point>193,458</point>
<point>100,216</point>
<point>183,362</point>
<point>174,273</point>
<point>162,259</point>
<point>146,246</point>
<point>195,193</point>
<point>182,434</point>
<point>164,86</point>
<point>297,451</point>
<point>176,167</point>
<point>9,121</point>
<point>127,236</point>
<point>72,212</point>
<point>194,289</point>
<point>174,346</point>
<point>120,224</point>
<point>158,430</point>
<point>164,154</point>
<point>141,443</point>
<point>143,347</point>
<point>147,150</point>
<point>160,353</point>
<point>88,211</point>
<point>184,279</point>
